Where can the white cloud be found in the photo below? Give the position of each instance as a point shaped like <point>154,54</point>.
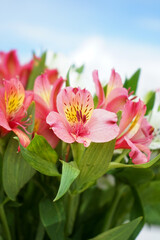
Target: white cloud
<point>105,54</point>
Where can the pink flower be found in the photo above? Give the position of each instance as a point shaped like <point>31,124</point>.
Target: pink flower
<point>135,132</point>
<point>45,95</point>
<point>52,75</point>
<point>77,120</point>
<point>116,96</point>
<point>10,67</point>
<point>14,102</point>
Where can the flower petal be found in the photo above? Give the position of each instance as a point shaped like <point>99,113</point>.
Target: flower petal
<point>52,75</point>
<point>23,138</point>
<point>42,88</point>
<point>99,88</point>
<point>59,127</point>
<point>11,63</point>
<point>55,90</point>
<point>116,100</point>
<point>137,156</point>
<point>14,96</point>
<point>114,82</point>
<point>102,126</point>
<point>75,105</point>
<point>3,121</point>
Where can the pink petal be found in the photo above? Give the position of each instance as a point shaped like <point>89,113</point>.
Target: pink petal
<point>114,82</point>
<point>3,121</point>
<point>116,100</point>
<point>29,96</point>
<point>14,93</point>
<point>102,126</point>
<point>75,101</point>
<point>25,72</point>
<point>137,121</point>
<point>130,110</point>
<point>144,135</point>
<point>23,138</point>
<point>86,141</point>
<point>52,75</point>
<point>42,88</point>
<point>99,88</point>
<point>137,156</point>
<point>59,127</point>
<point>12,64</point>
<point>55,90</point>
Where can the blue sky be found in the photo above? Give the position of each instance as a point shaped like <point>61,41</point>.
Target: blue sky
<point>26,25</point>
<point>101,34</point>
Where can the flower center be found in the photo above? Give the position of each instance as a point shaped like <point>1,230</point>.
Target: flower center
<point>77,112</point>
<point>14,101</point>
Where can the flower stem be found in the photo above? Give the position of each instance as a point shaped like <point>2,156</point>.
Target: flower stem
<point>4,222</point>
<point>122,155</point>
<point>108,221</point>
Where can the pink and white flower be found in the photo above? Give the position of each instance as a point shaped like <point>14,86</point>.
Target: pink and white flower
<point>45,95</point>
<point>14,102</point>
<point>115,97</point>
<point>10,67</point>
<point>135,132</point>
<point>76,119</point>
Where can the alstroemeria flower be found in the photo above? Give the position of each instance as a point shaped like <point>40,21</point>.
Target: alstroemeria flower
<point>14,102</point>
<point>10,67</point>
<point>135,132</point>
<point>77,120</point>
<point>116,96</point>
<point>45,95</point>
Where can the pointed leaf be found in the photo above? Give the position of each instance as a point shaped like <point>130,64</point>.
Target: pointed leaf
<point>37,70</point>
<point>113,165</point>
<point>41,165</point>
<point>16,171</point>
<point>122,232</point>
<point>149,101</point>
<point>69,174</point>
<point>133,81</point>
<point>94,163</point>
<point>42,148</point>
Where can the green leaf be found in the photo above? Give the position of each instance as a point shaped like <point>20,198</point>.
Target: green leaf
<point>52,215</point>
<point>135,176</point>
<point>122,232</point>
<point>77,151</point>
<point>137,211</point>
<point>69,174</point>
<point>114,165</point>
<point>150,196</point>
<point>16,171</point>
<point>94,163</point>
<point>133,81</point>
<point>41,156</point>
<point>37,70</point>
<point>149,101</point>
<point>68,73</point>
<point>80,69</point>
<point>42,148</point>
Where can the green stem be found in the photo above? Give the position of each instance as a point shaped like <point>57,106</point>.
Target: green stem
<point>121,156</point>
<point>4,222</point>
<point>72,207</point>
<point>110,215</point>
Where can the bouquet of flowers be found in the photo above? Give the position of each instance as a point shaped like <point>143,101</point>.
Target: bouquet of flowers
<point>73,166</point>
